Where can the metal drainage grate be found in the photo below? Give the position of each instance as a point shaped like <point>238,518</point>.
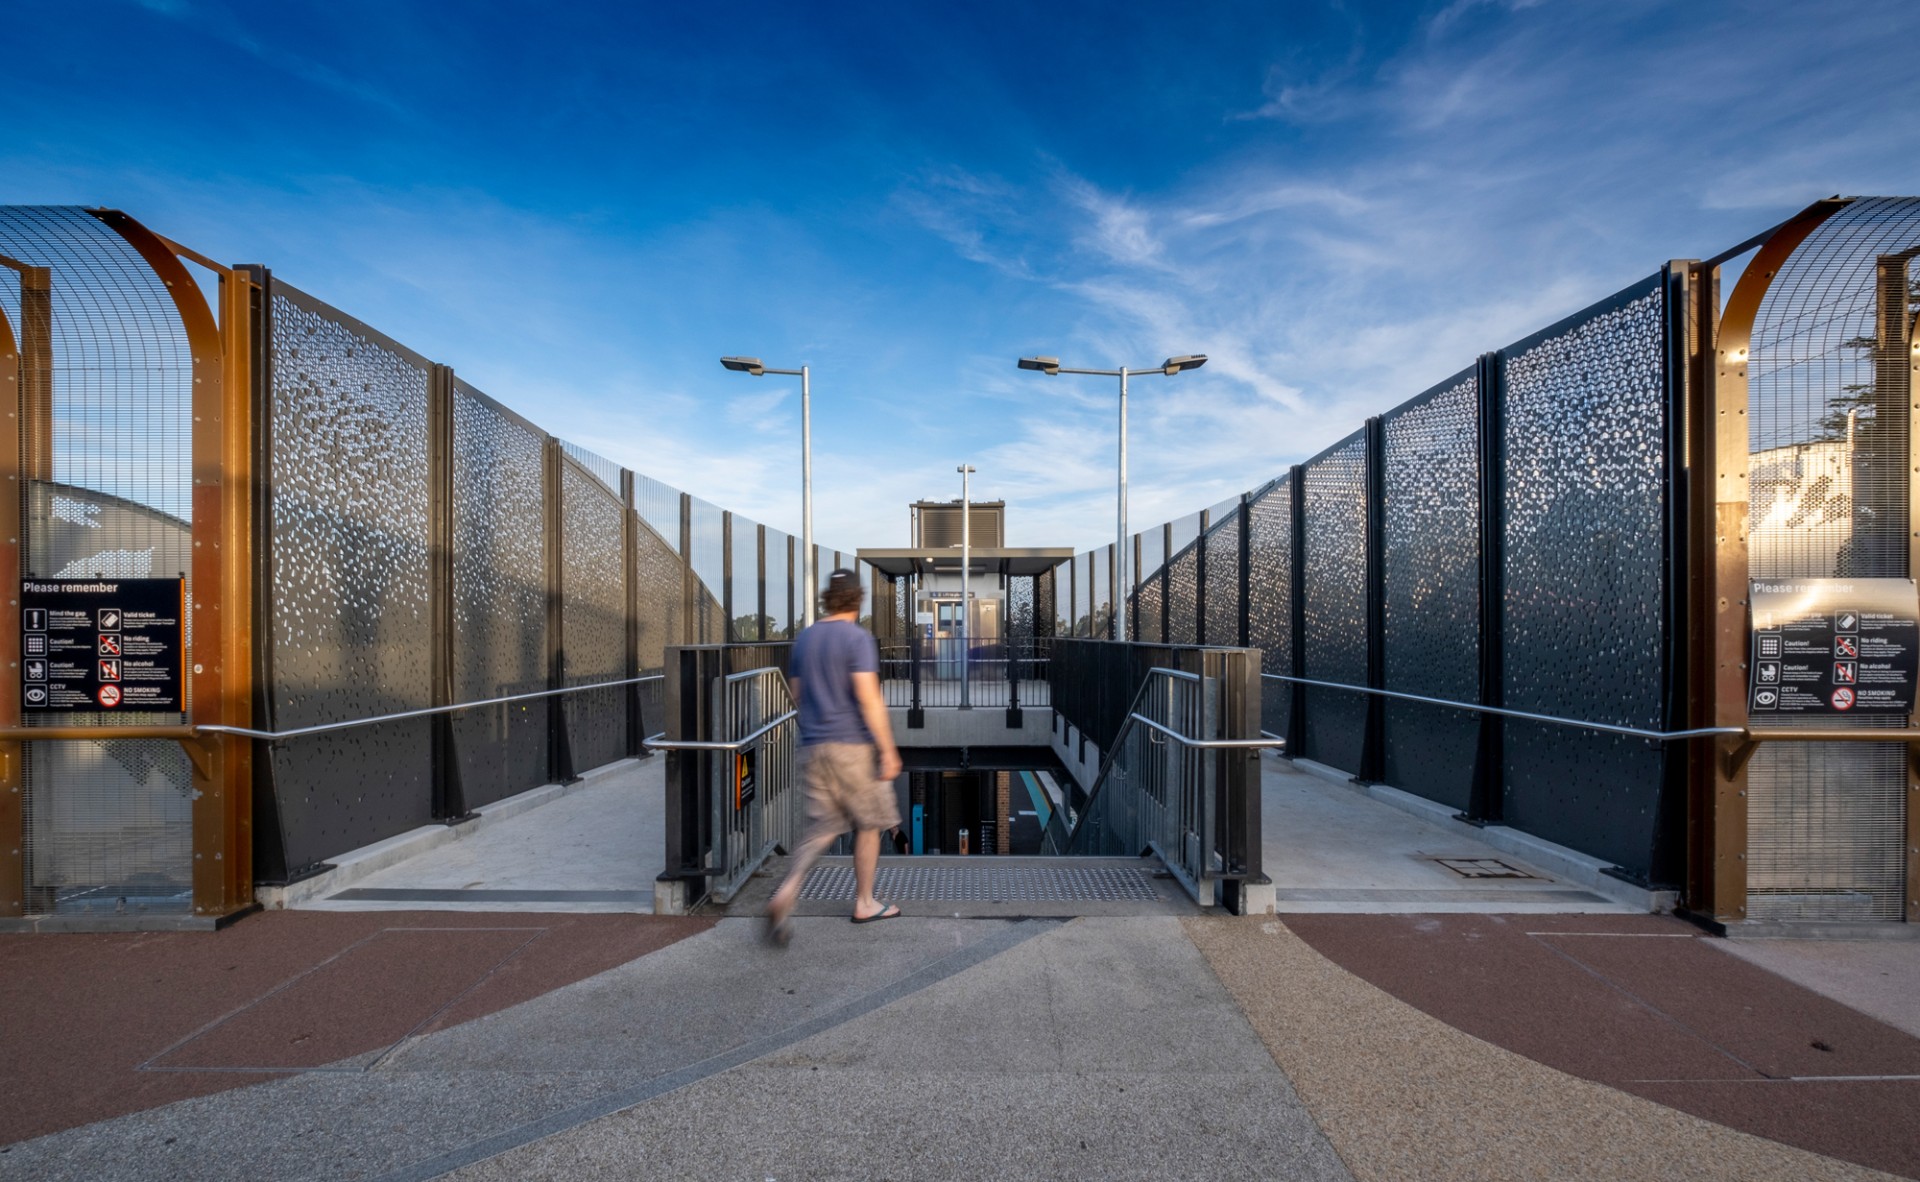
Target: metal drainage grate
<point>1481,868</point>
<point>996,885</point>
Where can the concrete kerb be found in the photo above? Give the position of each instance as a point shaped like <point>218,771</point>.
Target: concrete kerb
<point>355,865</point>
<point>1568,865</point>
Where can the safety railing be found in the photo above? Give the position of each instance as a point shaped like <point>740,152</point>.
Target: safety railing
<point>750,774</point>
<point>949,673</point>
<point>189,732</point>
<point>1163,787</point>
<point>1744,740</point>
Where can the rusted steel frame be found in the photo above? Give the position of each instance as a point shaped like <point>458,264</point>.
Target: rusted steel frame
<point>220,672</point>
<point>13,885</point>
<point>1719,497</point>
<point>1896,377</point>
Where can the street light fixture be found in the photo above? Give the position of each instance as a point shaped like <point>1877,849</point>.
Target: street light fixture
<point>753,365</point>
<point>1169,367</point>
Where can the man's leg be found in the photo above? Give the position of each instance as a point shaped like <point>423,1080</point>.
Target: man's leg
<point>811,847</point>
<point>866,865</point>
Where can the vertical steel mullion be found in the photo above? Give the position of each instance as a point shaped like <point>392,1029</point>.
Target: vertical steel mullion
<point>1485,801</point>
<point>1166,583</point>
<point>793,619</point>
<point>1297,608</point>
<point>1682,336</point>
<point>760,583</point>
<point>728,633</point>
<point>630,582</point>
<point>559,749</point>
<point>1373,742</point>
<point>689,580</point>
<point>448,800</point>
<point>1200,579</point>
<point>1243,636</point>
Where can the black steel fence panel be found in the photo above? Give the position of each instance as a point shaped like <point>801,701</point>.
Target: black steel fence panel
<point>499,598</point>
<point>593,605</point>
<point>1270,599</point>
<point>1336,603</point>
<point>349,581</point>
<point>1431,585</point>
<point>1586,485</point>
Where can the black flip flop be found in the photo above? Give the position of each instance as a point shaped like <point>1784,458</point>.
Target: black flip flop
<point>887,912</point>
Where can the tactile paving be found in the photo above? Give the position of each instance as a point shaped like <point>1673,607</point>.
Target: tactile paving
<point>1012,884</point>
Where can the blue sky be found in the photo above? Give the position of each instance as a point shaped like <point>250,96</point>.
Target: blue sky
<point>581,207</point>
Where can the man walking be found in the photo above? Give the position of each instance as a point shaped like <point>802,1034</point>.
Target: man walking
<point>847,758</point>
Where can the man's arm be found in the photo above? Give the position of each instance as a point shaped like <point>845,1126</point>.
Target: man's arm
<point>873,708</point>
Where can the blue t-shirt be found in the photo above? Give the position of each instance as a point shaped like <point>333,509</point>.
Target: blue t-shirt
<point>824,659</point>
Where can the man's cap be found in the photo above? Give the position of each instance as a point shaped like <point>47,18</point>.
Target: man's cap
<point>843,579</point>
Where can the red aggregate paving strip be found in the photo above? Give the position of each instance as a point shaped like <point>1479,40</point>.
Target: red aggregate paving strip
<point>285,989</point>
<point>1641,1003</point>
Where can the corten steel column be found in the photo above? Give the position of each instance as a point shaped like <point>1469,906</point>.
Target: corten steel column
<point>1896,367</point>
<point>1720,499</point>
<point>449,801</point>
<point>1486,796</point>
<point>221,673</point>
<point>559,749</point>
<point>629,578</point>
<point>1373,740</point>
<point>1297,608</point>
<point>12,778</point>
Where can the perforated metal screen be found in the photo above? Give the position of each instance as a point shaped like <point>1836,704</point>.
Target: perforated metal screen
<point>594,606</point>
<point>1270,601</point>
<point>499,597</point>
<point>1431,585</point>
<point>1336,603</point>
<point>1586,486</point>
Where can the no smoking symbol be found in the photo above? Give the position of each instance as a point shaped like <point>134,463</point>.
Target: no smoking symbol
<point>1843,699</point>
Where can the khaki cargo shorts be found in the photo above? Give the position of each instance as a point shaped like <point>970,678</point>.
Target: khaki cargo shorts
<point>844,790</point>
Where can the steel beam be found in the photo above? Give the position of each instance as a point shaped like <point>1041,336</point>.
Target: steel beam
<point>1718,449</point>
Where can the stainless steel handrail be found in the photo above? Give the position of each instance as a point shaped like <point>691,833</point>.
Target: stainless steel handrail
<point>707,745</point>
<point>1210,744</point>
<point>325,727</point>
<point>1630,731</point>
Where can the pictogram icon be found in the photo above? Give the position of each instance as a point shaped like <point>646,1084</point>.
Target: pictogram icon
<point>109,695</point>
<point>1843,698</point>
<point>109,646</point>
<point>109,669</point>
<point>109,619</point>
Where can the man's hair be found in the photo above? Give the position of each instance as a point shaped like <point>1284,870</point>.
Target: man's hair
<point>842,593</point>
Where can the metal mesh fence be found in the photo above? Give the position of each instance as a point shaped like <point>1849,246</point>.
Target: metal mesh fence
<point>1829,439</point>
<point>107,825</point>
<point>1431,589</point>
<point>1221,588</point>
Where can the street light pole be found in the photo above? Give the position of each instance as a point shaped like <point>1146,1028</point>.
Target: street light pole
<point>966,581</point>
<point>808,579</point>
<point>1122,552</point>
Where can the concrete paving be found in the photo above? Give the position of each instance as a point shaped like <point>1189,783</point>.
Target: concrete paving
<point>1877,977</point>
<point>1331,848</point>
<point>595,849</point>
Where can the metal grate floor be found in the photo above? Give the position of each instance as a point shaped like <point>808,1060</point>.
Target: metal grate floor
<point>1010,884</point>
